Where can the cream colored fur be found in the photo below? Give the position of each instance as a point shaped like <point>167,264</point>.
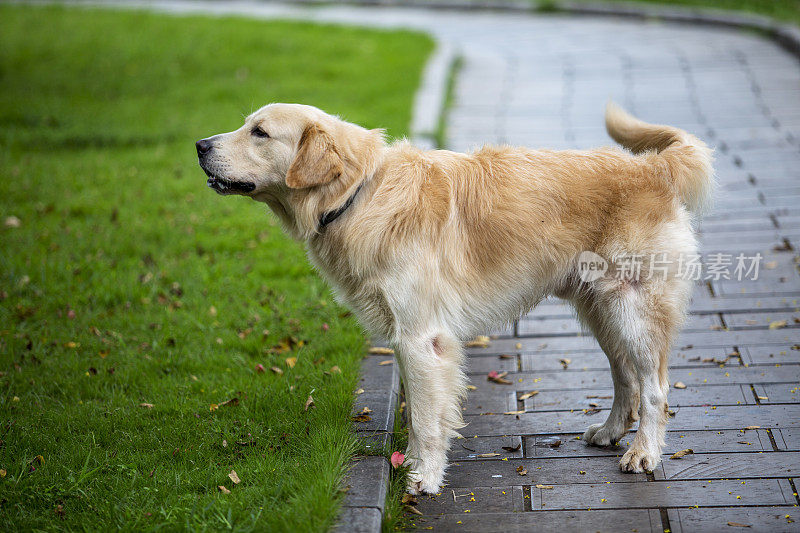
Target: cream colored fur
<point>438,246</point>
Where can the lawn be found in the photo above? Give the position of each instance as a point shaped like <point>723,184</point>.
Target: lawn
<point>135,302</point>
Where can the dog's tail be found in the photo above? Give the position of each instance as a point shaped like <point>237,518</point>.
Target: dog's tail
<point>688,159</point>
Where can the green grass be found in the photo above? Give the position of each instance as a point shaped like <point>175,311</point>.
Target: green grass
<point>128,282</point>
<point>781,10</point>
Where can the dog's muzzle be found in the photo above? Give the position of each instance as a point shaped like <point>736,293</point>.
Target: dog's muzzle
<point>215,181</point>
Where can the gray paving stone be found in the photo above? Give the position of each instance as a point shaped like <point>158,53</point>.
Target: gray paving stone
<point>366,482</point>
<point>359,520</point>
<point>381,403</point>
<point>555,400</point>
<point>472,500</point>
<point>729,441</point>
<point>739,465</point>
<point>465,449</point>
<point>640,520</point>
<point>687,418</point>
<point>663,494</point>
<point>500,473</point>
<point>378,377</point>
<point>787,438</point>
<point>756,519</point>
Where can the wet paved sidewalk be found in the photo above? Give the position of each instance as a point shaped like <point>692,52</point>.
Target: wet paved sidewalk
<point>542,81</point>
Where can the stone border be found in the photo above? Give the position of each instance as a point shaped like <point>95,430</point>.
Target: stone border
<point>430,98</point>
<point>786,35</point>
<point>367,482</point>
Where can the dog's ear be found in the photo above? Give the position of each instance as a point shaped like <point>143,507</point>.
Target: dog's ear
<point>317,161</point>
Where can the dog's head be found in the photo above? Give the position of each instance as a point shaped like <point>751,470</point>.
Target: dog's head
<point>283,148</point>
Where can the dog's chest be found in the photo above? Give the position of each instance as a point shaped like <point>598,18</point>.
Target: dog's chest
<point>360,292</point>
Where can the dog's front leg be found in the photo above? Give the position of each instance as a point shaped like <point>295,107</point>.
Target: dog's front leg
<point>435,385</point>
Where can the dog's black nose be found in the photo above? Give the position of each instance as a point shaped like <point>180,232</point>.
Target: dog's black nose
<point>203,146</point>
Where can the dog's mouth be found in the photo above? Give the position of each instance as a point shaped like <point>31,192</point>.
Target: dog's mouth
<point>225,186</point>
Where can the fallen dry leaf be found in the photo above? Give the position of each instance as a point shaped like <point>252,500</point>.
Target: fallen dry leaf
<point>506,356</point>
<point>365,411</point>
<point>387,362</point>
<point>3,472</point>
<point>737,524</point>
<point>223,490</point>
<point>413,510</point>
<point>290,361</point>
<point>335,370</point>
<point>546,487</point>
<point>498,378</point>
<point>777,324</point>
<point>481,341</point>
<point>678,455</point>
<point>679,385</point>
<point>380,350</point>
<point>233,402</point>
<point>599,397</point>
<point>512,449</point>
<point>565,362</point>
<point>276,370</point>
<point>485,455</point>
<point>514,412</point>
<point>521,470</point>
<point>360,391</point>
<point>234,477</point>
<point>146,405</point>
<point>472,387</point>
<point>527,395</point>
<point>409,499</point>
<point>309,403</point>
<point>753,427</point>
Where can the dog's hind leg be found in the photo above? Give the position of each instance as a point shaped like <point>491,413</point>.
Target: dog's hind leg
<point>435,385</point>
<point>636,323</point>
<point>624,410</point>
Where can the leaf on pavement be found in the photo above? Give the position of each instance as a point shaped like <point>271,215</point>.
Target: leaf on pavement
<point>678,455</point>
<point>380,350</point>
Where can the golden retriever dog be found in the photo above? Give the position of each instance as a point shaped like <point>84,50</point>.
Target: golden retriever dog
<point>430,248</point>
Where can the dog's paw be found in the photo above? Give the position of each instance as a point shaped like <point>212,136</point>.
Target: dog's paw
<point>425,477</point>
<point>603,434</point>
<point>417,485</point>
<point>637,460</point>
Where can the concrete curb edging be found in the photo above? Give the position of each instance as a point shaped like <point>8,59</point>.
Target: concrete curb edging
<point>367,481</point>
<point>429,101</point>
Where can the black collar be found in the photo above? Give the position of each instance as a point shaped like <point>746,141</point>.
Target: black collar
<point>329,216</point>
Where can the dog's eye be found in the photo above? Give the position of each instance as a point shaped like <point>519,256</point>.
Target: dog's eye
<point>258,132</point>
